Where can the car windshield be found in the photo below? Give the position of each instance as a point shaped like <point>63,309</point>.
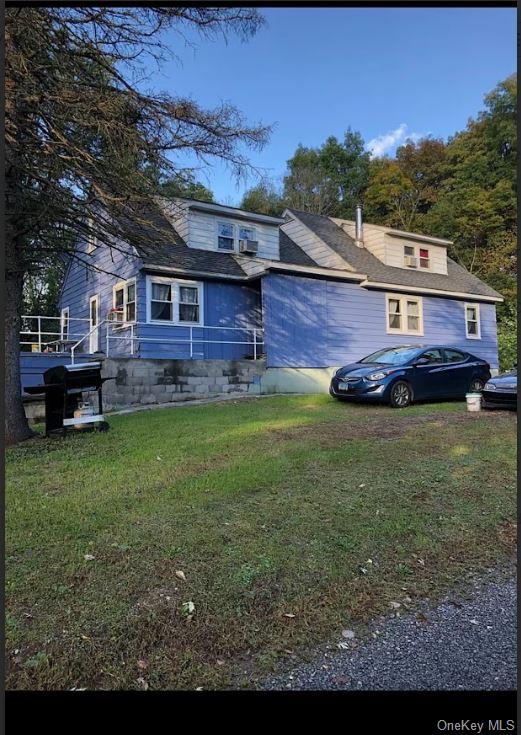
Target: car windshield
<point>391,356</point>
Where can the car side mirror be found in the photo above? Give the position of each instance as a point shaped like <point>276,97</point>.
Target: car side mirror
<point>422,361</point>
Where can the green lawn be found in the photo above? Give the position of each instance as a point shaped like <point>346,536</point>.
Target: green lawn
<point>290,517</point>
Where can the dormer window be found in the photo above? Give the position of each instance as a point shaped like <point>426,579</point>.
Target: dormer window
<point>225,236</point>
<point>415,257</point>
<point>424,258</point>
<point>229,235</point>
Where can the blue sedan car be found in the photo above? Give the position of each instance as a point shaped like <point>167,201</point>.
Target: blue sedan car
<point>401,375</point>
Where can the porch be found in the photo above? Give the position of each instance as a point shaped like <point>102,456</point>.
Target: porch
<point>49,340</point>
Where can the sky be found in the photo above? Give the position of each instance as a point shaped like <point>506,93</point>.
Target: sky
<point>389,73</point>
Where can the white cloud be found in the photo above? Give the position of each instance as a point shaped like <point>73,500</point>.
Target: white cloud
<point>388,141</point>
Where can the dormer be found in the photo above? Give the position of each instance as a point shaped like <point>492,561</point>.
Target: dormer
<point>223,229</point>
<point>400,249</point>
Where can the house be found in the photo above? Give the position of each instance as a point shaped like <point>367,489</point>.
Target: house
<point>307,293</point>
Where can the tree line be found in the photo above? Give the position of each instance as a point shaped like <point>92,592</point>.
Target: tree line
<point>462,189</point>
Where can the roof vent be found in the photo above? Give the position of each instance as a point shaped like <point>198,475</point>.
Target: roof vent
<point>359,227</point>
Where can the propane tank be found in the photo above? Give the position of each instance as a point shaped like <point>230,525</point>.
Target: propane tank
<point>84,409</point>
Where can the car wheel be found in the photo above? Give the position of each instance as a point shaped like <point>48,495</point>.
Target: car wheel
<point>476,385</point>
<point>401,395</point>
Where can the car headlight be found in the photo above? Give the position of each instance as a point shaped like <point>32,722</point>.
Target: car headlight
<point>378,376</point>
<point>490,386</point>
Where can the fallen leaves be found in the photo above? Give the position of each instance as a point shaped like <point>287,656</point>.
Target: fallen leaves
<point>180,575</point>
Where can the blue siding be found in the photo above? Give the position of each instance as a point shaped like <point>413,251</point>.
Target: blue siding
<point>224,305</point>
<point>81,283</point>
<point>321,323</point>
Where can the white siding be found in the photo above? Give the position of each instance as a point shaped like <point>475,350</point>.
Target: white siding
<point>313,246</point>
<point>389,249</point>
<point>176,211</point>
<point>394,254</point>
<point>202,233</point>
<point>374,237</point>
<point>250,265</point>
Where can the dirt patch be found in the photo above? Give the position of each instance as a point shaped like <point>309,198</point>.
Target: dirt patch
<point>333,433</point>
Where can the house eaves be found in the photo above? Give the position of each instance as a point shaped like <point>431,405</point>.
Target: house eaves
<point>434,291</point>
<point>233,212</point>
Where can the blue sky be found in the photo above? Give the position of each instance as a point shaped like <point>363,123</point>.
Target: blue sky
<point>389,73</point>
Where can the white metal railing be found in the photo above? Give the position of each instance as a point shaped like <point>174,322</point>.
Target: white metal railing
<point>72,340</point>
<point>95,330</point>
<point>256,340</point>
<point>39,335</point>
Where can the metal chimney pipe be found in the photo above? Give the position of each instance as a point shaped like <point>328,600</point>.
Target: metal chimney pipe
<point>359,227</point>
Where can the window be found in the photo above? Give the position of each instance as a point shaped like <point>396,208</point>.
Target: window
<point>176,302</point>
<point>161,306</point>
<point>124,300</point>
<point>472,325</point>
<point>188,304</point>
<point>225,236</point>
<point>246,233</point>
<point>454,356</point>
<point>424,258</point>
<point>433,356</point>
<point>92,240</point>
<point>414,256</point>
<point>404,314</point>
<point>64,323</point>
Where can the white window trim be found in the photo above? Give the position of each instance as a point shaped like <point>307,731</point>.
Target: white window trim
<point>467,305</point>
<point>221,221</point>
<point>95,334</point>
<point>416,249</point>
<point>92,240</point>
<point>403,298</point>
<point>123,285</point>
<point>65,312</point>
<point>175,283</point>
<point>236,227</point>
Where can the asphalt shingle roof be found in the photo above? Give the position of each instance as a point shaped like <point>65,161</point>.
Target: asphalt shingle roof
<point>161,245</point>
<point>457,279</point>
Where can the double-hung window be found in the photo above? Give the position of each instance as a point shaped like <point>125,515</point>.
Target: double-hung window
<point>404,314</point>
<point>472,321</point>
<point>225,236</point>
<point>189,304</point>
<point>124,301</point>
<point>424,258</point>
<point>175,302</point>
<point>246,233</point>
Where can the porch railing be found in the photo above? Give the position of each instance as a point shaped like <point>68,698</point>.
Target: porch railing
<point>66,341</point>
<point>48,333</point>
<point>255,336</point>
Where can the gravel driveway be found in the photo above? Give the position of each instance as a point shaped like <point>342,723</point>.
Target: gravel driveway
<point>462,643</point>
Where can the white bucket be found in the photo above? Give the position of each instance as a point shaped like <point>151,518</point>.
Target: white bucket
<point>473,401</point>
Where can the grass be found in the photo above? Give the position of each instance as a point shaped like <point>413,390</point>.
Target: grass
<point>290,517</point>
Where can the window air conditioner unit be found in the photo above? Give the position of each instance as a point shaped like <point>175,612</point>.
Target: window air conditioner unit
<point>248,246</point>
<point>411,261</point>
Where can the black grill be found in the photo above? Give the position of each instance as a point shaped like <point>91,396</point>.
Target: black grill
<point>64,386</point>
